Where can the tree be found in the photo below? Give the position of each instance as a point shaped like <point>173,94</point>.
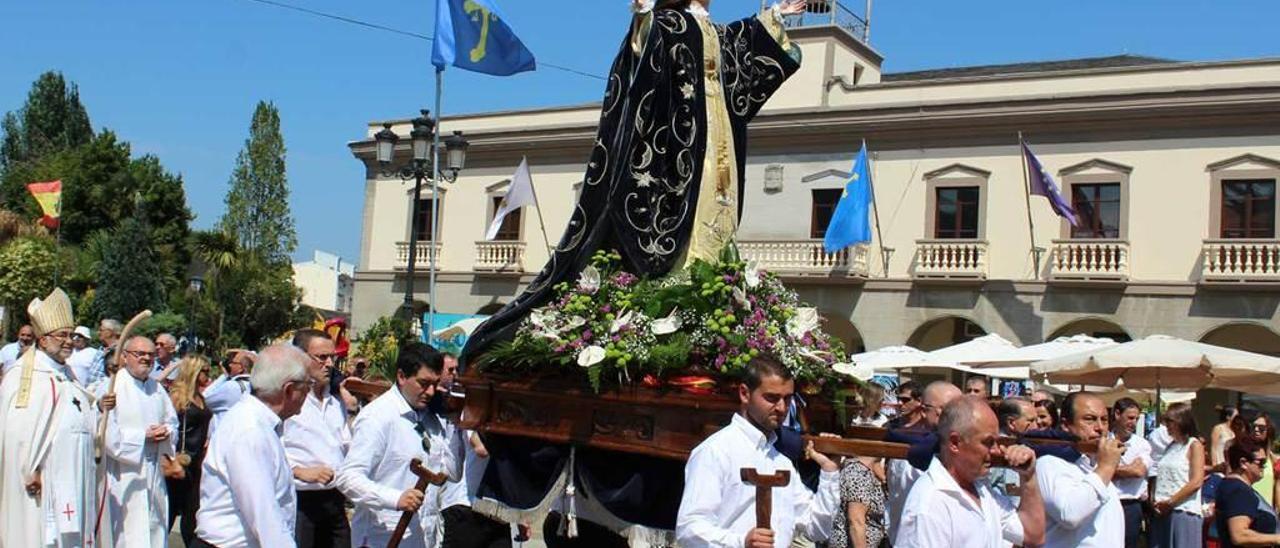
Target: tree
<point>52,119</point>
<point>258,201</point>
<point>129,278</point>
<point>28,272</point>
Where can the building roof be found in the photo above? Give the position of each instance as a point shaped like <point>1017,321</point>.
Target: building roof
<point>1087,63</point>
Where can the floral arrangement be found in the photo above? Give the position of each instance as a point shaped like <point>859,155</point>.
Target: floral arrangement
<point>688,330</point>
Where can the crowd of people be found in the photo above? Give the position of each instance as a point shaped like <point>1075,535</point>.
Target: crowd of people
<point>272,452</point>
<point>275,451</point>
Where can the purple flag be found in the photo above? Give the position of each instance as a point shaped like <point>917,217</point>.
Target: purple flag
<point>1042,185</point>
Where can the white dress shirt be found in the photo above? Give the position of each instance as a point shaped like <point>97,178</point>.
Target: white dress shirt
<point>1135,449</point>
<point>9,355</point>
<point>718,508</point>
<point>317,436</point>
<point>222,394</point>
<point>901,477</point>
<point>461,493</point>
<point>387,435</point>
<point>82,363</point>
<point>939,513</point>
<point>246,492</point>
<point>1081,511</point>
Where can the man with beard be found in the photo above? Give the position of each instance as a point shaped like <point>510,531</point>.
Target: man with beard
<point>315,442</point>
<point>718,509</point>
<point>951,505</point>
<point>46,439</point>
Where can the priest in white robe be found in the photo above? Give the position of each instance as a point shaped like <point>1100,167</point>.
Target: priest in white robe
<point>46,440</point>
<point>139,439</point>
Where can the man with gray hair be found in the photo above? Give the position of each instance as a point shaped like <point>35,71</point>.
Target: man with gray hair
<point>952,505</point>
<point>901,475</point>
<point>165,368</point>
<point>246,493</point>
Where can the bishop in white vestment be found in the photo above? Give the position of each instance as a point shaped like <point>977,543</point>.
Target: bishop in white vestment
<point>140,433</point>
<point>46,441</point>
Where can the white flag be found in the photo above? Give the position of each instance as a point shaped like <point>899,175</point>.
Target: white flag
<point>519,194</point>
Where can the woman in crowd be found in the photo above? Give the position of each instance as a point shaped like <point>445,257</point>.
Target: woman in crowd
<point>1220,436</point>
<point>1046,415</point>
<point>193,431</point>
<point>1179,521</point>
<point>1243,517</point>
<point>1258,427</point>
<point>862,495</point>
<point>872,396</point>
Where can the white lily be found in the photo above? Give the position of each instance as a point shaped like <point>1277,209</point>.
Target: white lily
<point>667,325</point>
<point>621,321</point>
<point>740,297</point>
<point>815,355</point>
<point>804,321</point>
<point>574,322</point>
<point>541,318</point>
<point>857,371</point>
<point>590,356</point>
<point>752,274</point>
<point>590,280</point>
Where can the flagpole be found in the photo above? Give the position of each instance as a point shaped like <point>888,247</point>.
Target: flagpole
<point>871,186</point>
<point>435,208</point>
<point>1026,192</point>
<point>545,240</point>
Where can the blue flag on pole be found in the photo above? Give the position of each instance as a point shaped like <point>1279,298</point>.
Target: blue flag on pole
<point>851,222</point>
<point>471,34</point>
<point>1041,184</point>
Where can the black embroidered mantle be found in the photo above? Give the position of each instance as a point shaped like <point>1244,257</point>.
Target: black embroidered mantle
<point>641,187</point>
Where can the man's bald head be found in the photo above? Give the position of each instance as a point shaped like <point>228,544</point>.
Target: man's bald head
<point>936,397</point>
<point>967,431</point>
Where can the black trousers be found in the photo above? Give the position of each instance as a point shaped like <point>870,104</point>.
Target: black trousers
<point>464,528</point>
<point>322,520</point>
<point>197,543</point>
<point>1133,517</point>
<point>590,535</point>
<point>184,500</point>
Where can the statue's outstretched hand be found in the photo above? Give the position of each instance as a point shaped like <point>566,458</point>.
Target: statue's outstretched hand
<point>792,7</point>
<point>640,6</point>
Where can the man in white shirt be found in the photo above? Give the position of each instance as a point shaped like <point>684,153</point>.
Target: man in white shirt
<point>315,442</point>
<point>166,346</point>
<point>901,476</point>
<point>247,498</point>
<point>393,429</point>
<point>952,505</point>
<point>225,391</point>
<point>84,357</point>
<point>140,433</point>
<point>10,353</point>
<point>718,508</point>
<point>1131,474</point>
<point>1080,499</point>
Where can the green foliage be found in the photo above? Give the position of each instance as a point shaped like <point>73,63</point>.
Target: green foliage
<point>164,322</point>
<point>380,344</point>
<point>28,272</point>
<point>52,119</point>
<point>257,300</point>
<point>129,278</point>
<point>258,202</point>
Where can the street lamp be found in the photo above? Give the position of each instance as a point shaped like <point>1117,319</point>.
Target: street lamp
<point>196,285</point>
<point>425,146</point>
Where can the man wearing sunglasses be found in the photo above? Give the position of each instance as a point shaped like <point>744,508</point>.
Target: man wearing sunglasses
<point>316,441</point>
<point>393,429</point>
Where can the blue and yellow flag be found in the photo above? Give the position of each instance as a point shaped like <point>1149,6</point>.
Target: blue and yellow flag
<point>471,34</point>
<point>851,222</point>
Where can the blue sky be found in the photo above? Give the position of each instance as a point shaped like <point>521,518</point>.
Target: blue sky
<point>180,79</point>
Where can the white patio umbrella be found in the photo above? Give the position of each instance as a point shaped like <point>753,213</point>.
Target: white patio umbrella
<point>893,358</point>
<point>1059,347</point>
<point>1163,362</point>
<point>982,350</point>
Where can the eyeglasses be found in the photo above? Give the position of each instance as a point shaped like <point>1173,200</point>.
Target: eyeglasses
<point>140,354</point>
<point>1262,461</point>
<point>61,337</point>
<point>1259,428</point>
<point>421,429</point>
<point>323,357</point>
<point>905,399</point>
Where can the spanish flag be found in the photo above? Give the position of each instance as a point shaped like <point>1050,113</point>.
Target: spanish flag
<point>49,196</point>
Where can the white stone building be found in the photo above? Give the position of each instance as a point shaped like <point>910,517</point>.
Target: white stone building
<point>327,282</point>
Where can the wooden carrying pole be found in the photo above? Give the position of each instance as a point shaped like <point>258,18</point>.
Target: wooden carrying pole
<point>111,386</point>
<point>425,477</point>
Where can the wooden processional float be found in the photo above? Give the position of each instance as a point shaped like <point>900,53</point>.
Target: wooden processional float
<point>641,420</point>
